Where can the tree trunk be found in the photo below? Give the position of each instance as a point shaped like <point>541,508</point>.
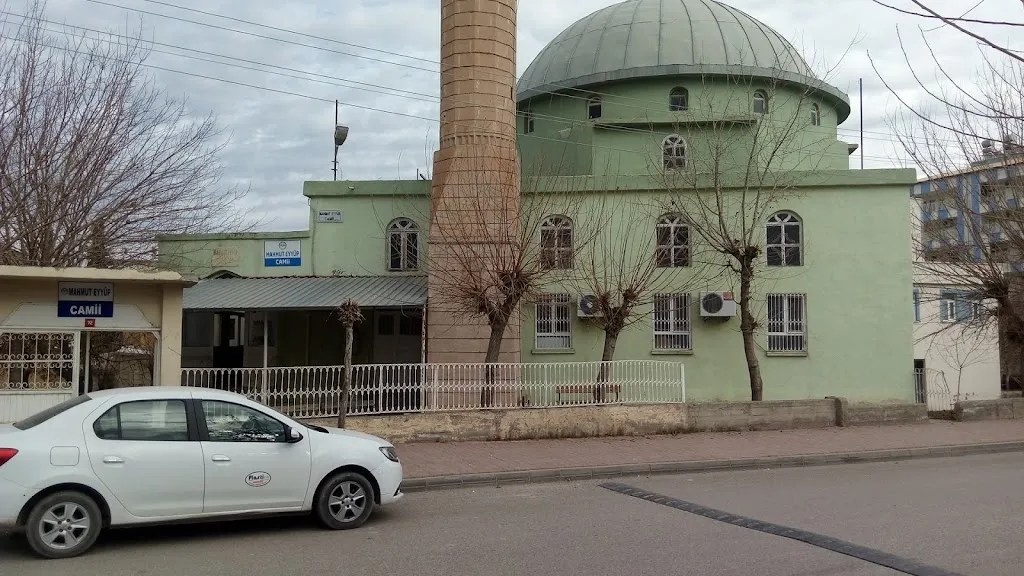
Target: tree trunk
<point>493,349</point>
<point>611,338</point>
<point>346,377</point>
<point>747,326</point>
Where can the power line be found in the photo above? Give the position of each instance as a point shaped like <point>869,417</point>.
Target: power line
<point>587,93</point>
<point>413,95</point>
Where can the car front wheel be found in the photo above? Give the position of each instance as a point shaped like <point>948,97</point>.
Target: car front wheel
<point>346,501</point>
<point>63,525</point>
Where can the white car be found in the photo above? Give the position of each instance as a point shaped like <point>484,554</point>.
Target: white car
<point>166,454</point>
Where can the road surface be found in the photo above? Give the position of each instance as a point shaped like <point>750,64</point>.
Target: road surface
<point>959,514</point>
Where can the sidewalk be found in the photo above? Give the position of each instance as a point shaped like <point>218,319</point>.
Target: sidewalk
<point>456,459</point>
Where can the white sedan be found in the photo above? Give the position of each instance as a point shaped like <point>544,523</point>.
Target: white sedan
<point>166,454</point>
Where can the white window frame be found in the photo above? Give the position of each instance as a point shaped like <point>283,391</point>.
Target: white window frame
<point>671,322</point>
<point>672,222</point>
<point>815,115</point>
<point>673,152</point>
<point>594,103</point>
<point>408,234</point>
<point>556,253</point>
<point>783,219</point>
<point>787,335</point>
<point>553,322</point>
<point>528,122</point>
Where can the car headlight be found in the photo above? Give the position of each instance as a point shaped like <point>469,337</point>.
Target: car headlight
<point>389,453</point>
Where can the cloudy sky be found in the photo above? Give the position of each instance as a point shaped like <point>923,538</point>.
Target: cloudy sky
<point>361,51</point>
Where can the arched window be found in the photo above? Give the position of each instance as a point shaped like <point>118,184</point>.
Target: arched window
<point>556,242</point>
<point>673,152</point>
<point>760,102</point>
<point>673,235</point>
<point>678,100</point>
<point>403,245</point>
<point>784,240</point>
<point>594,107</point>
<point>815,115</point>
<point>527,121</point>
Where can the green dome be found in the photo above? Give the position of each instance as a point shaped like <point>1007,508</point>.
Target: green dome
<point>649,38</point>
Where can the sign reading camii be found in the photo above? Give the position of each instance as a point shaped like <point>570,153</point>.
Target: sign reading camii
<point>282,253</point>
<point>85,300</point>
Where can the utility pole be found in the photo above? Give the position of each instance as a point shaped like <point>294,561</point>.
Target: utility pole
<point>335,169</point>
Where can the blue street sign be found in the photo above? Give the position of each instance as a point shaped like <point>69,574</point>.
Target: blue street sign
<point>282,253</point>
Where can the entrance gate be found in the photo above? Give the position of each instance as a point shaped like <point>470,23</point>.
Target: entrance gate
<point>38,369</point>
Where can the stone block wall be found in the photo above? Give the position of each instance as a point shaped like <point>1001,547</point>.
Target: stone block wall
<point>1003,409</point>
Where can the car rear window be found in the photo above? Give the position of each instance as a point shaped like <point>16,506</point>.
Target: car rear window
<point>40,417</point>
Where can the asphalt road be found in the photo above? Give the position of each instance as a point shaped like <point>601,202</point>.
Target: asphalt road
<point>960,514</point>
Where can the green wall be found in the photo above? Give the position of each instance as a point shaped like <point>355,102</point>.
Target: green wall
<point>859,305</point>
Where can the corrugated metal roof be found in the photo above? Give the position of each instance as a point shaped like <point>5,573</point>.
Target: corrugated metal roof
<point>305,293</point>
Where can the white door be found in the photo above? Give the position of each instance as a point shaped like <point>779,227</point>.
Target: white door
<point>142,453</point>
<point>250,465</point>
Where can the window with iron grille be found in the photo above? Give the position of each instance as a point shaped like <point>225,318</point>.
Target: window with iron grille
<point>403,245</point>
<point>787,322</point>
<point>556,242</point>
<point>783,240</point>
<point>554,322</point>
<point>672,322</point>
<point>678,99</point>
<point>673,152</point>
<point>673,241</point>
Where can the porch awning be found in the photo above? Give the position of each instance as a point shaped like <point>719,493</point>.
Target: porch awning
<point>306,293</point>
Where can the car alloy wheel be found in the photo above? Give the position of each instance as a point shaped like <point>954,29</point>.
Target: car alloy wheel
<point>344,501</point>
<point>63,525</point>
<point>347,501</point>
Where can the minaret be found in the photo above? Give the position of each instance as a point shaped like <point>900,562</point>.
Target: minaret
<point>475,189</point>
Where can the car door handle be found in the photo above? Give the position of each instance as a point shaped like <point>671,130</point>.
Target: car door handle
<point>220,458</point>
<point>113,460</point>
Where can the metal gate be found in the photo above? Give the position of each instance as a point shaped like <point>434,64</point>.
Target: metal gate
<point>933,390</point>
<point>38,369</point>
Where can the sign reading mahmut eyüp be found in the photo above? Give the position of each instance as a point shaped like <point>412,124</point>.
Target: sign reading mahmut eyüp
<point>85,300</point>
<point>282,253</point>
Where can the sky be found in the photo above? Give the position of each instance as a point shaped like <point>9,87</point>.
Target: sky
<point>275,99</point>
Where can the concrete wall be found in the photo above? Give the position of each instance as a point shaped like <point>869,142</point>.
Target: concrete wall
<point>1002,409</point>
<point>622,420</point>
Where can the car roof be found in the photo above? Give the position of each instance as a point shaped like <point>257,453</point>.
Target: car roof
<point>143,392</point>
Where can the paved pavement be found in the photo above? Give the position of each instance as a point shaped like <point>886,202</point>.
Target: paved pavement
<point>454,458</point>
<point>960,514</point>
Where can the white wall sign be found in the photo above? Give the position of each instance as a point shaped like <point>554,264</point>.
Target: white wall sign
<point>330,216</point>
<point>282,253</point>
<point>85,299</point>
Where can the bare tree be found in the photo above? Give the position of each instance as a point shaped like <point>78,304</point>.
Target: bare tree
<point>498,240</point>
<point>94,157</point>
<point>638,256</point>
<point>959,131</point>
<point>735,166</point>
<point>349,314</point>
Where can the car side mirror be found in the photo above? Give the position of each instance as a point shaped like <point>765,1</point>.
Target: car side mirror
<point>293,435</point>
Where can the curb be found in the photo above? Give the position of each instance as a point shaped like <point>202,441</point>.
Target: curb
<point>426,483</point>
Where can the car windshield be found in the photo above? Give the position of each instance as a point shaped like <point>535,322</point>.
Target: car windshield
<point>40,417</point>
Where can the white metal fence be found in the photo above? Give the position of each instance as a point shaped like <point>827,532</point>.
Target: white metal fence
<point>314,391</point>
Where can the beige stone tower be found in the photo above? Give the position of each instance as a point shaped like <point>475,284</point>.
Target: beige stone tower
<point>475,189</point>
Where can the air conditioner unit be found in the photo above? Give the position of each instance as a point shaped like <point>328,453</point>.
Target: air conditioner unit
<point>588,307</point>
<point>717,305</point>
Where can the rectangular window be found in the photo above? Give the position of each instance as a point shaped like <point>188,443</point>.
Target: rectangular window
<point>958,306</point>
<point>787,323</point>
<point>917,305</point>
<point>672,322</point>
<point>554,322</point>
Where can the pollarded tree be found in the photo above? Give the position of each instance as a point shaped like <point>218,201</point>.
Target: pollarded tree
<point>732,170</point>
